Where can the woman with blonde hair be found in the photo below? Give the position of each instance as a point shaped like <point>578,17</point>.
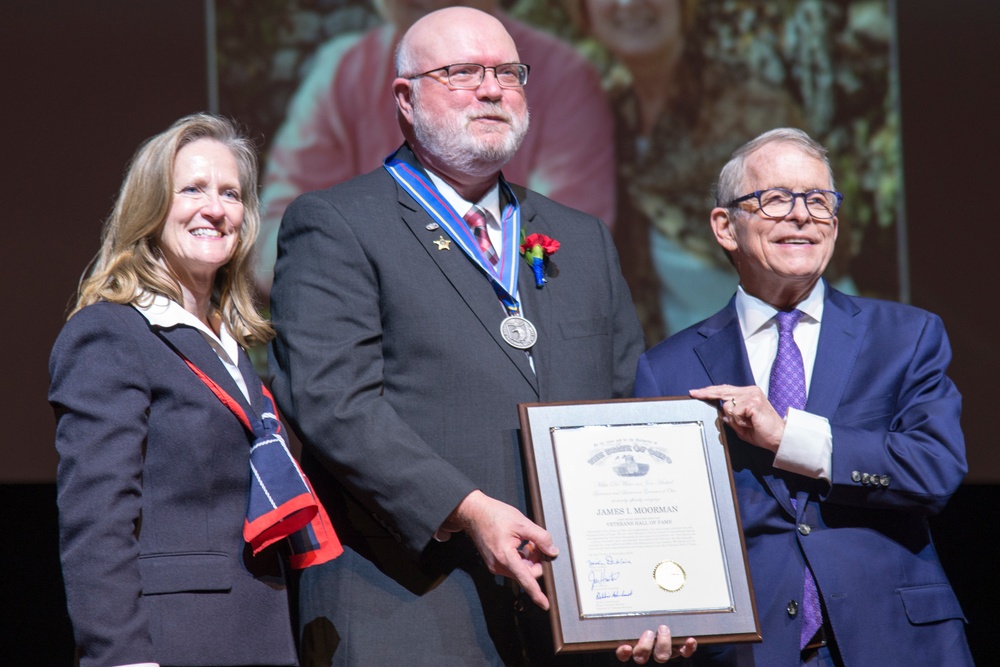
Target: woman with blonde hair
<point>176,489</point>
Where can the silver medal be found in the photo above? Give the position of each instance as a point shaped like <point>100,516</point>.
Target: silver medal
<point>518,332</point>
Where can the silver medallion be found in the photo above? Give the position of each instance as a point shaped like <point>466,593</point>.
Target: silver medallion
<point>518,332</point>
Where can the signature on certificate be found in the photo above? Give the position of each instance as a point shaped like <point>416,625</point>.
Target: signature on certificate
<point>608,560</point>
<point>613,593</point>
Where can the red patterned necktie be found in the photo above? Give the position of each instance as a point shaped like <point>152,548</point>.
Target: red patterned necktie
<point>477,223</point>
<point>787,389</point>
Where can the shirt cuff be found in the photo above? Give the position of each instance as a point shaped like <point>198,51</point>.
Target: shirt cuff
<point>806,447</point>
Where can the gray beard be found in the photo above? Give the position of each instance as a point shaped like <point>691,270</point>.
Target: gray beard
<point>451,143</point>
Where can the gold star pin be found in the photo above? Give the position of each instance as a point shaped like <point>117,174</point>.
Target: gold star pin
<point>443,243</point>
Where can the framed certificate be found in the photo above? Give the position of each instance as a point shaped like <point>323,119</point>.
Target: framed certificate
<point>638,495</point>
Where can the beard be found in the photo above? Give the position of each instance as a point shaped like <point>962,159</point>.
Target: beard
<point>480,154</point>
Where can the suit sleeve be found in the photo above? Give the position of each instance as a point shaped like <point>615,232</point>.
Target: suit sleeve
<point>327,363</point>
<point>100,397</point>
<point>912,436</point>
<point>645,381</point>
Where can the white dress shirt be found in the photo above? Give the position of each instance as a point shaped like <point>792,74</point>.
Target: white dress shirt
<point>806,447</point>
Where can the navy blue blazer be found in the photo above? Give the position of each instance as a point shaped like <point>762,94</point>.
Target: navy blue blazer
<point>879,378</point>
<point>152,485</point>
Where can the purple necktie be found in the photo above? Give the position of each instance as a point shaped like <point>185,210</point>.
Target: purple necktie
<point>477,223</point>
<point>787,389</point>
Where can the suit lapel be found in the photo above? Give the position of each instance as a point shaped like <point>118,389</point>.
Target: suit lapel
<point>724,357</point>
<point>839,344</point>
<point>192,345</point>
<point>254,385</point>
<point>471,284</point>
<point>537,303</point>
<point>723,353</point>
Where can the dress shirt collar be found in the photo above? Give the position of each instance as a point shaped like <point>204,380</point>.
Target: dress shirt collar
<point>760,332</point>
<point>489,202</point>
<point>163,312</point>
<point>755,314</point>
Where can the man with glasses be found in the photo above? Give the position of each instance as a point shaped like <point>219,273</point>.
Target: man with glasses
<point>340,123</point>
<point>409,328</point>
<point>842,426</point>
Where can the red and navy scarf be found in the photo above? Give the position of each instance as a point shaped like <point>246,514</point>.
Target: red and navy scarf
<point>281,502</point>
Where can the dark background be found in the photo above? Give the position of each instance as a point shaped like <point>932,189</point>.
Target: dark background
<point>84,83</point>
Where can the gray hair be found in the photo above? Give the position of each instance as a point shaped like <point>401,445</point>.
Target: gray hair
<point>732,175</point>
<point>404,58</point>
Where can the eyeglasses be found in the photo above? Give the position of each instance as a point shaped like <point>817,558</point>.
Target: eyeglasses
<point>779,202</point>
<point>471,75</point>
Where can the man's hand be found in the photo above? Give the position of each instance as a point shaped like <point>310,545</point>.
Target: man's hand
<point>508,542</point>
<point>658,645</point>
<point>748,412</point>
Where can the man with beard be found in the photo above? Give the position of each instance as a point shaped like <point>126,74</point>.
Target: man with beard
<point>340,123</point>
<point>396,364</point>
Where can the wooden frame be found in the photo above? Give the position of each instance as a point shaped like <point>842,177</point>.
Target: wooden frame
<point>642,449</point>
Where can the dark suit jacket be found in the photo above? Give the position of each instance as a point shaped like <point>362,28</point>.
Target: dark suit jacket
<point>390,366</point>
<point>152,483</point>
<point>879,378</point>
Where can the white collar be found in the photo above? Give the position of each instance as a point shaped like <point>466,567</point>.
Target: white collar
<point>490,201</point>
<point>755,314</point>
<point>163,312</point>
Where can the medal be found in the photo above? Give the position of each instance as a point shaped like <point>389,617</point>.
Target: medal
<point>518,332</point>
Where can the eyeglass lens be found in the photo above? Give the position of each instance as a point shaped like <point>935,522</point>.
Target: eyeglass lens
<point>470,75</point>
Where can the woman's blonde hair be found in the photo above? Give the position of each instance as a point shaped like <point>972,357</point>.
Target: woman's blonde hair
<point>128,262</point>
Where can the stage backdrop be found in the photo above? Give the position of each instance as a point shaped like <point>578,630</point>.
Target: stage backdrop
<point>634,109</point>
<point>84,84</point>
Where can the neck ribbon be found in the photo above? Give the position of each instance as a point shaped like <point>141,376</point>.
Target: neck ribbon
<point>503,276</point>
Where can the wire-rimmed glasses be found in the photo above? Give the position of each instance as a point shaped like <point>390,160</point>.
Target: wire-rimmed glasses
<point>471,75</point>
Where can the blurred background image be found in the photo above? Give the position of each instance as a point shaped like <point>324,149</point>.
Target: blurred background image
<point>635,106</point>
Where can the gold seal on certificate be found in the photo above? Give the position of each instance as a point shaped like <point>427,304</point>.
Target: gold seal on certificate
<point>669,576</point>
<point>518,332</point>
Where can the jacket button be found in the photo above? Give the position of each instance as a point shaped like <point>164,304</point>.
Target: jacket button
<point>792,608</point>
<point>876,480</point>
<point>856,476</point>
<point>866,479</point>
<point>885,481</point>
<point>805,528</point>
